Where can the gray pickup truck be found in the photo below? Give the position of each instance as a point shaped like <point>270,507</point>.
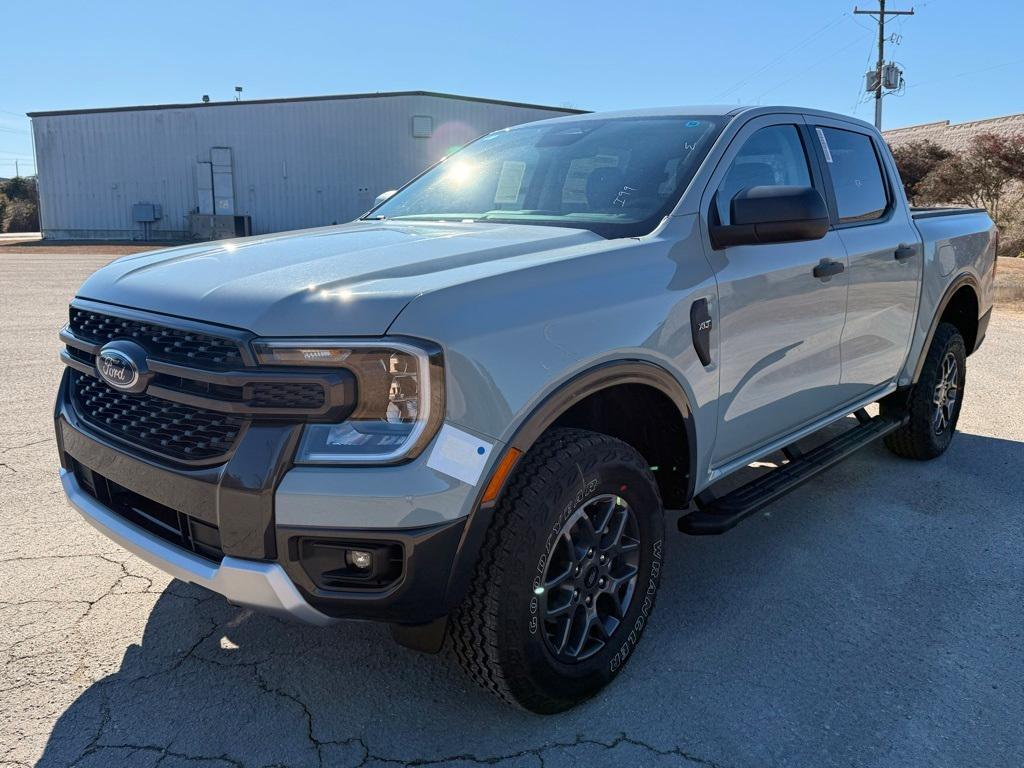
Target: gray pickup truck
<point>469,413</point>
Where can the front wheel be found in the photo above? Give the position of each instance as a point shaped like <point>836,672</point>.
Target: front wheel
<point>567,574</point>
<point>933,406</point>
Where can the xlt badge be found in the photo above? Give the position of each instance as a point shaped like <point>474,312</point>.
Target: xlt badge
<point>700,327</point>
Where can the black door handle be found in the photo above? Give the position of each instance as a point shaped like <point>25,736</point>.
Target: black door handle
<point>828,269</point>
<point>904,252</point>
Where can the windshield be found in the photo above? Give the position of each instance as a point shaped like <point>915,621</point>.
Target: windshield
<point>617,177</point>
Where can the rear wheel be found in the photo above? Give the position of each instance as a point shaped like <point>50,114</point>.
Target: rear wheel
<point>567,574</point>
<point>933,406</point>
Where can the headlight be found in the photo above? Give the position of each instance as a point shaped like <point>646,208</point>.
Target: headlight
<point>400,398</point>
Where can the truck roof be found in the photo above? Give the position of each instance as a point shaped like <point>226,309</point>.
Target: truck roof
<point>725,110</point>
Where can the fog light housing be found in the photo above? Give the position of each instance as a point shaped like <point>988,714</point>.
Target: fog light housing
<point>339,564</point>
<point>360,559</point>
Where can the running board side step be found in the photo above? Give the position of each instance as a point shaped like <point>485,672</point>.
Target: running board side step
<point>718,515</point>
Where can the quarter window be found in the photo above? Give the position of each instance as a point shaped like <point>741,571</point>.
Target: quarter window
<point>856,175</point>
<point>772,156</point>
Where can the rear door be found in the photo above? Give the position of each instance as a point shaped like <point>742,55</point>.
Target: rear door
<point>780,326</point>
<point>883,248</point>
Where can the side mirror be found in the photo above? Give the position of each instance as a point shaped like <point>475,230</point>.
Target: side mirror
<point>383,196</point>
<point>773,215</point>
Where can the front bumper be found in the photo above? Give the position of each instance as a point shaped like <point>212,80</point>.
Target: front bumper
<point>260,585</point>
<point>258,558</point>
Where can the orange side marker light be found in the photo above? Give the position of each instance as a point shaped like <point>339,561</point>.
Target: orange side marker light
<point>501,472</point>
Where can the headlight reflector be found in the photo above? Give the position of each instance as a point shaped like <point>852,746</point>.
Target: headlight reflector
<point>399,391</point>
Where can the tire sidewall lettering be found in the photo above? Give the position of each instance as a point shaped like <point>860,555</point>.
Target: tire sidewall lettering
<point>631,640</point>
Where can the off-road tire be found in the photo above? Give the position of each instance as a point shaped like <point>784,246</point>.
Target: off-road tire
<point>497,634</point>
<point>918,438</point>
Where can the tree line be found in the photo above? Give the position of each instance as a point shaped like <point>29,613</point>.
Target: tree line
<point>989,175</point>
<point>19,211</point>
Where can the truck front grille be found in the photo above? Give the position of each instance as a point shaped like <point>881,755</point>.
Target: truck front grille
<point>170,429</point>
<point>163,343</point>
<point>201,388</point>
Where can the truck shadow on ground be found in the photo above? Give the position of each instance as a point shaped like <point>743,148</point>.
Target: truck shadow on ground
<point>855,621</point>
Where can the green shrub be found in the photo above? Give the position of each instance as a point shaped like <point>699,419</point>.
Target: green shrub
<point>18,209</point>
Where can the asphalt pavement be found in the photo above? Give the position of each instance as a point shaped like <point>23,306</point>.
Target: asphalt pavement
<point>873,618</point>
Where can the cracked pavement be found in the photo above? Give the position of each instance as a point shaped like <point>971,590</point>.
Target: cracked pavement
<point>872,618</point>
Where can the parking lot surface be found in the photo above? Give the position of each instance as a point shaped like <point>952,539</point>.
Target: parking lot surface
<point>873,618</point>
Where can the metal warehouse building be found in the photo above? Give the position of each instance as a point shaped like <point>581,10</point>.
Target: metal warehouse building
<point>181,171</point>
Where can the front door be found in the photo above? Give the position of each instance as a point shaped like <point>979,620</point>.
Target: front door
<point>779,325</point>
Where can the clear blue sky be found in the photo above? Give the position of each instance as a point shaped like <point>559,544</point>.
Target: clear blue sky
<point>963,60</point>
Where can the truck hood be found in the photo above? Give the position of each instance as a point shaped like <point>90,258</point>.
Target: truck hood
<point>349,280</point>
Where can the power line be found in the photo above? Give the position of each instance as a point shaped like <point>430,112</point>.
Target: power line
<point>965,74</point>
<point>813,36</point>
<point>802,72</point>
<point>859,99</point>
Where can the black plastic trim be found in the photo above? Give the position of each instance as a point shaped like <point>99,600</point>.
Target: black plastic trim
<point>718,515</point>
<point>417,597</point>
<point>700,330</point>
<point>983,322</point>
<point>934,213</point>
<point>772,214</point>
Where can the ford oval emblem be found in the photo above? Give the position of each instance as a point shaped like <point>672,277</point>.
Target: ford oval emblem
<point>117,369</point>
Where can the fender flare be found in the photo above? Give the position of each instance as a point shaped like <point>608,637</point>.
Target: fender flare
<point>604,376</point>
<point>567,394</point>
<point>958,282</point>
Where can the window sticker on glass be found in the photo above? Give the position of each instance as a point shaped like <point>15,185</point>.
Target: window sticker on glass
<point>824,145</point>
<point>574,190</point>
<point>510,181</point>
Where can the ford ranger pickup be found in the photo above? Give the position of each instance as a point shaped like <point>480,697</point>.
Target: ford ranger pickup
<point>469,413</point>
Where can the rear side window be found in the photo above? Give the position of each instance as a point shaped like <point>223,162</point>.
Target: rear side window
<point>856,175</point>
<point>772,156</point>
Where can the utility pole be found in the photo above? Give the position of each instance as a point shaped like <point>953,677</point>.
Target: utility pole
<point>879,16</point>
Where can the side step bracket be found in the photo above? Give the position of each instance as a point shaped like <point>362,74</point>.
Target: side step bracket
<point>717,515</point>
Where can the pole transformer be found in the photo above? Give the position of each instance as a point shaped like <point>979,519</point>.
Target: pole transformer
<point>879,15</point>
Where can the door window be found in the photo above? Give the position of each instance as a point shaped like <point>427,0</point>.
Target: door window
<point>856,175</point>
<point>772,156</point>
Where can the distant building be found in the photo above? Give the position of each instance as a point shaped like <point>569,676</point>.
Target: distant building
<point>180,171</point>
<point>955,137</point>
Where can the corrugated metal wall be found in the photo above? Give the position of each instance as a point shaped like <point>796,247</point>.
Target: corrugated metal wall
<point>296,164</point>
